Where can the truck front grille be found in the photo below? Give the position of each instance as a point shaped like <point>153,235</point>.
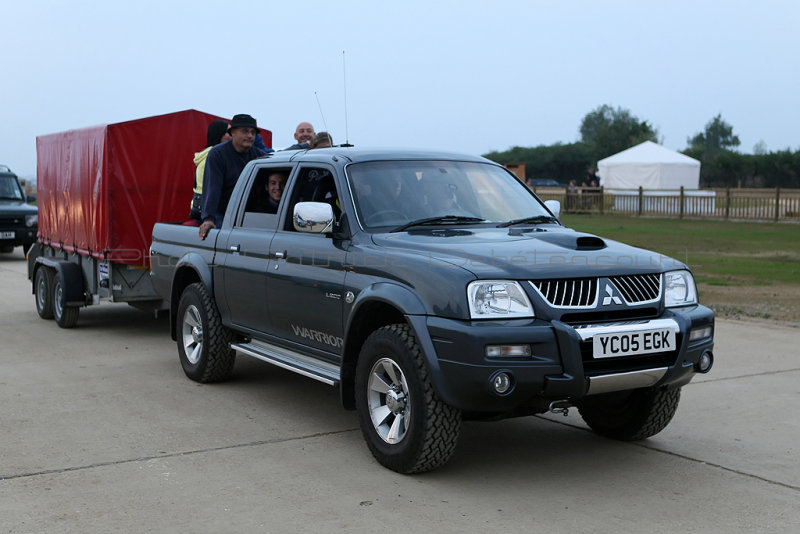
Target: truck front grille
<point>569,293</point>
<point>638,288</point>
<point>577,293</point>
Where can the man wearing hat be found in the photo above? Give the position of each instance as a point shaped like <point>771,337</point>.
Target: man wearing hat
<point>224,164</point>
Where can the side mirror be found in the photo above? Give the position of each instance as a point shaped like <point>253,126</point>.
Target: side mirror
<point>30,199</point>
<point>555,208</point>
<point>313,217</point>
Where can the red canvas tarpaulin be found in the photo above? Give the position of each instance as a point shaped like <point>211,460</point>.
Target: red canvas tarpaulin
<point>101,189</point>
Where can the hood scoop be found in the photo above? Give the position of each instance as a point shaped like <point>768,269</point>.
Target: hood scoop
<point>573,241</point>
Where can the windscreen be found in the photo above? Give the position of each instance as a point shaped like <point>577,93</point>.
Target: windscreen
<point>9,189</point>
<point>393,193</point>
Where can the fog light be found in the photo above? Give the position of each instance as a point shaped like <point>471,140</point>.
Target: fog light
<point>501,383</point>
<point>705,362</point>
<point>700,333</point>
<point>508,351</point>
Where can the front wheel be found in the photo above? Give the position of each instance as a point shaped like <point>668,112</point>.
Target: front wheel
<point>630,415</point>
<point>203,342</point>
<point>43,292</point>
<point>408,428</point>
<point>65,316</point>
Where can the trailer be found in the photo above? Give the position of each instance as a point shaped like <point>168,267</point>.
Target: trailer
<point>100,191</point>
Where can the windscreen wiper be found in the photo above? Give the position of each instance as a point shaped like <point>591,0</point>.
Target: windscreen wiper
<point>538,219</point>
<point>442,219</point>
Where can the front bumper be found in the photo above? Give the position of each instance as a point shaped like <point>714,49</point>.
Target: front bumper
<point>15,236</point>
<point>561,366</point>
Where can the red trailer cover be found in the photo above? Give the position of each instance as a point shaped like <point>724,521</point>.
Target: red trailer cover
<point>101,189</point>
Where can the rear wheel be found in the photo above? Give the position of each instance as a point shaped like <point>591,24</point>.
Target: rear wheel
<point>203,342</point>
<point>408,428</point>
<point>630,415</point>
<point>6,248</point>
<point>65,316</point>
<point>43,290</point>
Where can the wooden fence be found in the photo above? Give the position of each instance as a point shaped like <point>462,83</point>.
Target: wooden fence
<point>741,204</point>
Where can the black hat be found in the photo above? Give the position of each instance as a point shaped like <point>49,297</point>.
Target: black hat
<point>243,120</point>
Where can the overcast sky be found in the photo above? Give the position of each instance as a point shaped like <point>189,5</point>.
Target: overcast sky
<point>472,76</point>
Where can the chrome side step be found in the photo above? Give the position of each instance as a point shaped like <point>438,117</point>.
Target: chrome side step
<point>325,372</point>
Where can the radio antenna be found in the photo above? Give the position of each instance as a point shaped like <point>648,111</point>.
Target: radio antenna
<point>321,113</point>
<point>344,81</point>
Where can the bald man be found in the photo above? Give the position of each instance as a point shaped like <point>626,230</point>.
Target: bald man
<point>303,134</point>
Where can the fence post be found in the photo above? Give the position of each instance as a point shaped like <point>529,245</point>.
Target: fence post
<point>602,200</point>
<point>727,202</point>
<point>683,199</point>
<point>641,193</point>
<point>777,203</point>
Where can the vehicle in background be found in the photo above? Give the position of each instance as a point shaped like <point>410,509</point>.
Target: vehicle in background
<point>543,182</point>
<point>19,221</point>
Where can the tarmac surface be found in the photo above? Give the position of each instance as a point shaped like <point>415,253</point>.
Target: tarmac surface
<point>100,431</point>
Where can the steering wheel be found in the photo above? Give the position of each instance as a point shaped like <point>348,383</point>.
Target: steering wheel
<point>380,215</point>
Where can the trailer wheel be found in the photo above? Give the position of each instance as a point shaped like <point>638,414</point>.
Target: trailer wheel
<point>43,291</point>
<point>203,342</point>
<point>65,316</point>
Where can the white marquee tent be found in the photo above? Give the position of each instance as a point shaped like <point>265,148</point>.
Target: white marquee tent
<point>650,166</point>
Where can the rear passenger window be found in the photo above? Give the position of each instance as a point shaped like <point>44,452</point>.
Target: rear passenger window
<point>264,198</point>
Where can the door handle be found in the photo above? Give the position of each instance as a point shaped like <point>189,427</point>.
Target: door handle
<point>280,255</point>
<point>235,248</point>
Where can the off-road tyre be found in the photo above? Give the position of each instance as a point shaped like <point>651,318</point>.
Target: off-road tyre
<point>65,316</point>
<point>630,415</point>
<point>203,342</point>
<point>43,292</point>
<point>6,249</point>
<point>426,428</point>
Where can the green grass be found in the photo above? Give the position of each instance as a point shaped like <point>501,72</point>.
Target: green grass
<point>718,252</point>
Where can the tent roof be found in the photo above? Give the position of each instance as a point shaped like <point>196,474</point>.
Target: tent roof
<point>648,152</point>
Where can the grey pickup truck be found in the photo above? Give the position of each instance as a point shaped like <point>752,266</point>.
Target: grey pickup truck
<point>430,288</point>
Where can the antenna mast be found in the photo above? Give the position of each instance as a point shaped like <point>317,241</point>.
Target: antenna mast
<point>321,113</point>
<point>344,81</point>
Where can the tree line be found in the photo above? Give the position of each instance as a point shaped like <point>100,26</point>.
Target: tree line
<point>606,131</point>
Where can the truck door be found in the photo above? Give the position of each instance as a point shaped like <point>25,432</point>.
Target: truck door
<point>306,271</point>
<point>246,254</point>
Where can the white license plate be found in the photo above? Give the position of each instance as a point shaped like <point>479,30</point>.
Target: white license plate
<point>7,235</point>
<point>631,343</point>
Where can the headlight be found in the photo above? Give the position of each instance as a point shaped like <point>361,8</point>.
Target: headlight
<point>32,220</point>
<point>679,289</point>
<point>495,299</point>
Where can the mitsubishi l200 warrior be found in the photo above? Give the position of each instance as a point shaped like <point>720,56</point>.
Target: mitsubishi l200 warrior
<point>429,288</point>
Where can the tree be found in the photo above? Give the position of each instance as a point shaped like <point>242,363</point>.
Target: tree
<point>718,136</point>
<point>559,162</point>
<point>607,131</point>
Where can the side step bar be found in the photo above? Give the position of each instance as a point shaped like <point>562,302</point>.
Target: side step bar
<point>325,372</point>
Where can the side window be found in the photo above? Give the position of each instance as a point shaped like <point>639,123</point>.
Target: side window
<point>313,184</point>
<point>264,198</point>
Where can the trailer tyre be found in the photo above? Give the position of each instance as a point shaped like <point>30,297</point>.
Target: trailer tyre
<point>65,316</point>
<point>43,292</point>
<point>203,341</point>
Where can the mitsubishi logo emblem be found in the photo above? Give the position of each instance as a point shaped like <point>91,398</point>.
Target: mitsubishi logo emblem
<point>610,297</point>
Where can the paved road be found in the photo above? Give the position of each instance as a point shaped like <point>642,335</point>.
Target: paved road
<point>100,431</point>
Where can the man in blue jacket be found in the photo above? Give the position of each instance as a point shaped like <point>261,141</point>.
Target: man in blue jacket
<point>224,164</point>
